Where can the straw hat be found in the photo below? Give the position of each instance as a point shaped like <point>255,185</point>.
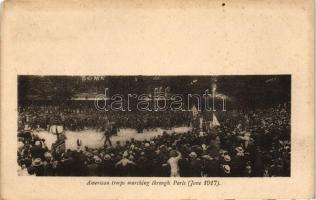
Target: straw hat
<point>37,143</point>
<point>97,159</point>
<point>226,169</point>
<point>37,162</point>
<point>125,154</point>
<point>107,157</point>
<point>131,157</point>
<point>227,158</point>
<point>193,155</point>
<point>47,155</point>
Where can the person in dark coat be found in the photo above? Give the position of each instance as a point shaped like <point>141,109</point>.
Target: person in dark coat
<point>225,171</point>
<point>107,135</point>
<point>248,171</point>
<point>49,169</point>
<point>123,167</point>
<point>184,165</point>
<point>108,166</point>
<point>37,151</point>
<point>95,168</point>
<point>142,162</point>
<point>211,166</point>
<point>195,165</point>
<point>38,167</point>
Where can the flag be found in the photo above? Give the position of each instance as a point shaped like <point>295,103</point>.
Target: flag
<point>195,112</point>
<point>201,123</point>
<point>214,122</point>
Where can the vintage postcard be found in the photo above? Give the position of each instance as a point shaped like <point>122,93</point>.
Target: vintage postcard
<point>175,99</point>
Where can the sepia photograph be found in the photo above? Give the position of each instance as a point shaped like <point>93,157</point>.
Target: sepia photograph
<point>154,126</point>
<point>176,99</point>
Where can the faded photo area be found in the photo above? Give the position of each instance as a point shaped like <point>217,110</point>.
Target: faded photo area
<point>154,126</point>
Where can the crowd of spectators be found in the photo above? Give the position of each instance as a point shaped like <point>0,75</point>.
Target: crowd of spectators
<point>248,143</point>
<point>77,119</point>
